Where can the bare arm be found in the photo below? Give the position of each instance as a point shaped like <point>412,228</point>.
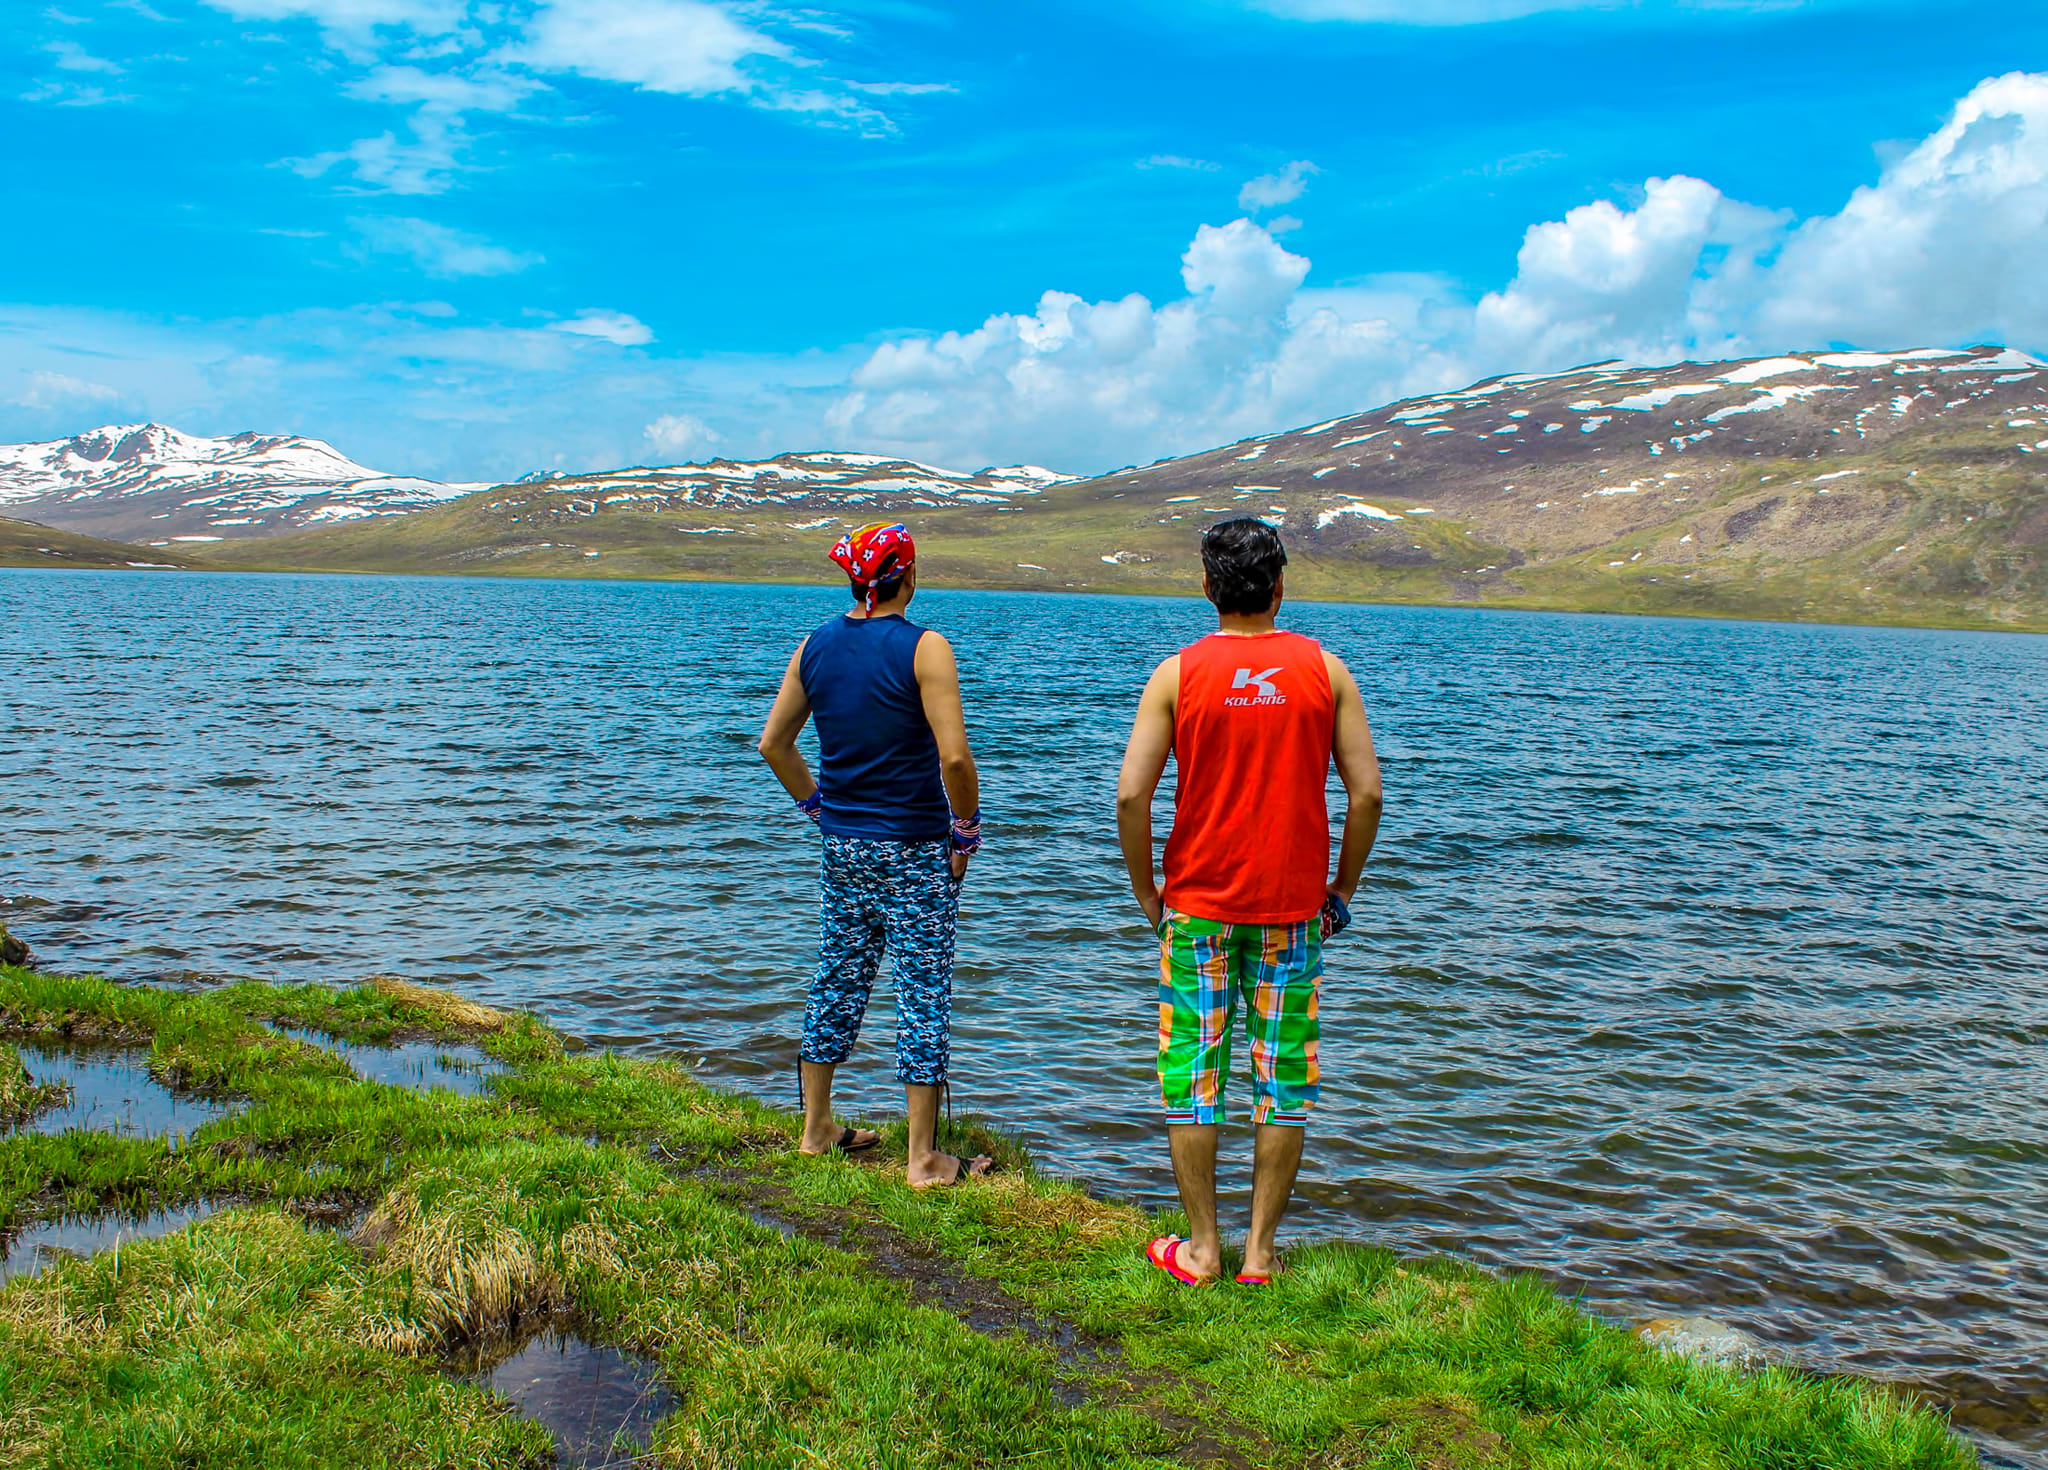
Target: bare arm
<point>1359,768</point>
<point>786,719</point>
<point>938,687</point>
<point>1144,763</point>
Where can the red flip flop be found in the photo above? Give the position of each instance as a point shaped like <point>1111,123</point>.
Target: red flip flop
<point>1254,1278</point>
<point>1165,1254</point>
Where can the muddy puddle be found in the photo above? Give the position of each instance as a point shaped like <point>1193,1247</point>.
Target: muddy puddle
<point>601,1404</point>
<point>112,1092</point>
<point>416,1064</point>
<point>38,1246</point>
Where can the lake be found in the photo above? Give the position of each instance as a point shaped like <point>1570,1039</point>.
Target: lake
<point>1701,966</point>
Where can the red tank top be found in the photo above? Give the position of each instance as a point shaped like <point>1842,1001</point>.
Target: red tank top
<point>1252,735</point>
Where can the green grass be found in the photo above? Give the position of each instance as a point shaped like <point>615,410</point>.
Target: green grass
<point>25,544</point>
<point>600,1190</point>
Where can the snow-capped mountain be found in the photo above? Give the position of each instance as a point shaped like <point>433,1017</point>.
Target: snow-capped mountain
<point>149,483</point>
<point>821,480</point>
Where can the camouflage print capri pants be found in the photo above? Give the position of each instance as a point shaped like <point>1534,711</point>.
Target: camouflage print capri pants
<point>895,896</point>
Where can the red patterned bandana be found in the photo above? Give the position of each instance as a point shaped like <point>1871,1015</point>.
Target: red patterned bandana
<point>873,555</point>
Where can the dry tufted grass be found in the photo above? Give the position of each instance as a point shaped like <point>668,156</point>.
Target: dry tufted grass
<point>446,1004</point>
<point>457,1273</point>
<point>1061,1213</point>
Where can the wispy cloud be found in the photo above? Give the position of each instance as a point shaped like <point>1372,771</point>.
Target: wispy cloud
<point>436,250</point>
<point>447,61</point>
<point>615,327</point>
<point>682,46</point>
<point>429,161</point>
<point>60,390</point>
<point>1482,12</point>
<point>73,57</point>
<point>66,87</point>
<point>1175,160</point>
<point>678,433</point>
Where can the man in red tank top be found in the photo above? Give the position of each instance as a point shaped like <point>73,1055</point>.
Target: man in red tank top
<point>1253,716</point>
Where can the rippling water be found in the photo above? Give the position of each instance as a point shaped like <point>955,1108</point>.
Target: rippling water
<point>1701,965</point>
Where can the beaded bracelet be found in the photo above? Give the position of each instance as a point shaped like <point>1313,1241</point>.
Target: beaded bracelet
<point>967,833</point>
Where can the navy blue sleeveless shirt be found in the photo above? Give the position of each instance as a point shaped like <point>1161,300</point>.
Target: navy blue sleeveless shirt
<point>878,765</point>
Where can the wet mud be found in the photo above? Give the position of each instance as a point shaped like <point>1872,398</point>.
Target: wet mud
<point>1087,1368</point>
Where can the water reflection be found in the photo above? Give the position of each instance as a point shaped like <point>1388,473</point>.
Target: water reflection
<point>111,1092</point>
<point>31,1249</point>
<point>415,1064</point>
<point>600,1404</point>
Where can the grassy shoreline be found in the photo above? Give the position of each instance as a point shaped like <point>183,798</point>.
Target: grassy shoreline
<point>805,1312</point>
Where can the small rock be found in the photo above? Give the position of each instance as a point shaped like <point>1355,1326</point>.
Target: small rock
<point>12,950</point>
<point>1705,1341</point>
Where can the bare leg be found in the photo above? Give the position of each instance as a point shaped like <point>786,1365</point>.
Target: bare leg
<point>821,1130</point>
<point>927,1164</point>
<point>1276,1158</point>
<point>1194,1170</point>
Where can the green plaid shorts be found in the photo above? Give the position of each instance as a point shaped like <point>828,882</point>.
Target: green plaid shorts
<point>1205,968</point>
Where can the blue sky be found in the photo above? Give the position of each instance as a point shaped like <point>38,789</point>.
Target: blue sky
<point>469,238</point>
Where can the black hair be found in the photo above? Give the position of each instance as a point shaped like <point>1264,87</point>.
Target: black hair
<point>1243,558</point>
<point>883,590</point>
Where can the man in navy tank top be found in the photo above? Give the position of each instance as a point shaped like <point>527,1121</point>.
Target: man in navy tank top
<point>898,801</point>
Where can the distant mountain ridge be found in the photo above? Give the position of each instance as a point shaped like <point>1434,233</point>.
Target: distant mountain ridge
<point>816,479</point>
<point>1893,487</point>
<point>1922,470</point>
<point>1509,448</point>
<point>152,484</point>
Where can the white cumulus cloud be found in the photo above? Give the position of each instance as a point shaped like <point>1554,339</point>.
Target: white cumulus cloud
<point>1611,282</point>
<point>1950,245</point>
<point>1944,249</point>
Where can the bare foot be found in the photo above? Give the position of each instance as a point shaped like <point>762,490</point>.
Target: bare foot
<point>834,1140</point>
<point>942,1169</point>
<point>1207,1264</point>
